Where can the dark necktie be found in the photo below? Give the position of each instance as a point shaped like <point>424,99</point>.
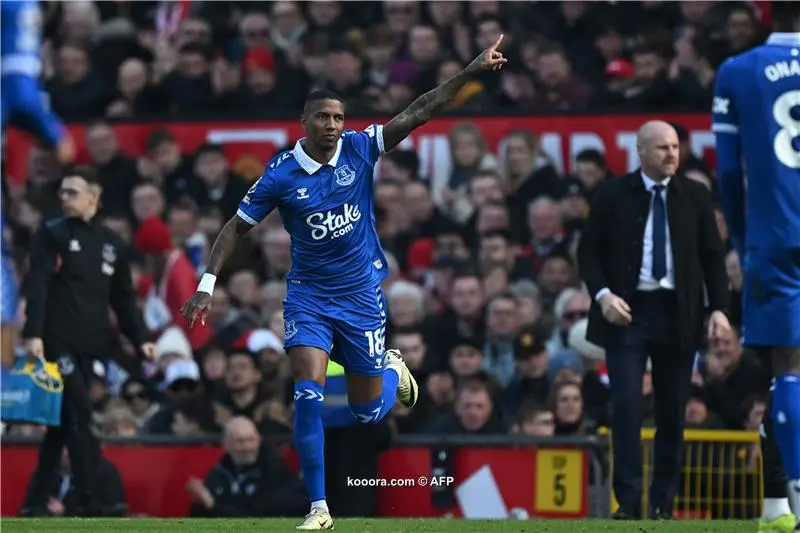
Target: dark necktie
<point>659,234</point>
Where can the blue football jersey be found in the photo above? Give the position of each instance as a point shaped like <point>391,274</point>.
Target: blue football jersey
<point>21,38</point>
<point>756,119</point>
<point>329,212</point>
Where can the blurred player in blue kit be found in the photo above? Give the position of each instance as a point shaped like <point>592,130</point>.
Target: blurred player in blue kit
<point>21,66</point>
<point>324,191</point>
<point>21,99</point>
<point>756,119</point>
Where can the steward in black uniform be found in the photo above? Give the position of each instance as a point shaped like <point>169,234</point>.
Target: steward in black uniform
<point>78,267</point>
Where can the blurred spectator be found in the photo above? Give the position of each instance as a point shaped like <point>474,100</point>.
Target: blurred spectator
<point>140,401</point>
<point>147,201</point>
<point>77,93</point>
<point>562,90</point>
<point>251,480</point>
<point>181,385</point>
<point>469,154</point>
<point>731,373</point>
<point>502,326</point>
<point>529,171</point>
<point>165,166</point>
<point>244,395</point>
<point>566,402</point>
<point>189,88</point>
<point>192,419</point>
<point>474,411</point>
<point>535,420</point>
<point>183,224</point>
<point>135,96</point>
<point>173,281</point>
<point>116,172</point>
<point>531,379</point>
<point>570,306</point>
<point>406,304</point>
<point>120,422</point>
<point>62,499</point>
<point>216,185</point>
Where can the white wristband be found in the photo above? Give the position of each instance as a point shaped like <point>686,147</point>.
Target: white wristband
<point>206,284</point>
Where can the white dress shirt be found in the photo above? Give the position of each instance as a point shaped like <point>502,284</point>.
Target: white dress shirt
<point>646,280</point>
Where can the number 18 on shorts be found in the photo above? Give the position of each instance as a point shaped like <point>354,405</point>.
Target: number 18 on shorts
<point>351,328</point>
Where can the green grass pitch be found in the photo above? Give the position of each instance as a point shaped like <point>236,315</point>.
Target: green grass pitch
<point>147,525</point>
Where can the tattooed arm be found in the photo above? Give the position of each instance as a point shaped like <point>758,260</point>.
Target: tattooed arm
<point>426,106</point>
<point>232,232</point>
<point>198,305</point>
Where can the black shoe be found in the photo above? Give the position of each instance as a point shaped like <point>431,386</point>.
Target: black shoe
<point>622,515</point>
<point>658,514</point>
<point>35,511</point>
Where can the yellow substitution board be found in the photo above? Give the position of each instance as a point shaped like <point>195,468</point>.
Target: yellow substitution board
<point>562,483</point>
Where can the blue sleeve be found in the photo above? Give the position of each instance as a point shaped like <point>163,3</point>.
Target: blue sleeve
<point>260,200</point>
<point>21,68</point>
<point>23,101</point>
<point>725,124</point>
<point>369,143</point>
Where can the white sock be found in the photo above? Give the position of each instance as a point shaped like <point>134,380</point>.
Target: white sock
<point>793,490</point>
<point>320,504</point>
<point>775,507</point>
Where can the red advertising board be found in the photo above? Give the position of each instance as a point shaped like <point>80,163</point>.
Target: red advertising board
<point>544,482</point>
<point>560,136</point>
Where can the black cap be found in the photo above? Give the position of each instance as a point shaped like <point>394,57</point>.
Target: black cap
<point>530,342</point>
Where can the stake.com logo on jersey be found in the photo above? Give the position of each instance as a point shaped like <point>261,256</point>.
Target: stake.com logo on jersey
<point>333,223</point>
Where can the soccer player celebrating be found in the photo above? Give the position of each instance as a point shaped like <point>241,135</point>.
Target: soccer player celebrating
<point>756,118</point>
<point>334,307</point>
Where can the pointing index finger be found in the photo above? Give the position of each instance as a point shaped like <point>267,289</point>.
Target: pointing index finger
<point>499,40</point>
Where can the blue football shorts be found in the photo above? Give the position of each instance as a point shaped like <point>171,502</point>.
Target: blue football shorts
<point>350,328</point>
<point>771,297</point>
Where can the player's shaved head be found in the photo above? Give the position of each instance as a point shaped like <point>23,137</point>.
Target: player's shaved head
<point>316,98</point>
<point>657,144</point>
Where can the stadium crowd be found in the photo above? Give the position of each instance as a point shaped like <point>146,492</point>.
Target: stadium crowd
<point>484,296</point>
<point>153,59</point>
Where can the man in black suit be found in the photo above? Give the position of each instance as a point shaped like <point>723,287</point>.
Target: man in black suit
<point>650,244</point>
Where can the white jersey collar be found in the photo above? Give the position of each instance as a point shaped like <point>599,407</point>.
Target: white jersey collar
<point>784,39</point>
<point>308,164</point>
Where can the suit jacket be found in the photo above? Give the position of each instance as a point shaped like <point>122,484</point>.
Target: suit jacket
<point>610,252</point>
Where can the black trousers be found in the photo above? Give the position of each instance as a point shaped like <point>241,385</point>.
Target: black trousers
<point>74,433</point>
<point>352,452</point>
<point>653,333</point>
